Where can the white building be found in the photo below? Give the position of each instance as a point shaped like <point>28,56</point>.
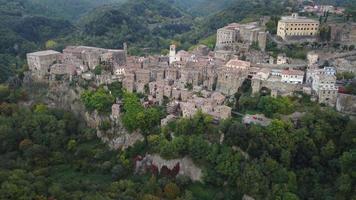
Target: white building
<point>292,76</point>
<point>172,54</point>
<point>238,64</point>
<point>323,81</point>
<point>325,88</point>
<point>282,59</point>
<point>296,26</point>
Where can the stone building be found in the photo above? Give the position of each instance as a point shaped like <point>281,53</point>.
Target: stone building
<point>292,76</point>
<point>73,60</point>
<point>93,56</point>
<point>344,33</point>
<point>40,63</point>
<point>282,59</point>
<point>129,82</point>
<point>324,85</point>
<point>238,64</point>
<point>296,27</point>
<point>228,37</point>
<point>229,80</point>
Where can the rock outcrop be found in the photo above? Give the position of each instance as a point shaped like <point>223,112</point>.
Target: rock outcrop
<point>346,104</point>
<point>187,166</point>
<point>61,94</point>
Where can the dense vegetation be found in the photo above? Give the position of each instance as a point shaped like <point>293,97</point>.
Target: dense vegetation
<point>202,7</point>
<point>49,153</point>
<point>310,159</point>
<point>145,24</point>
<point>22,33</point>
<point>66,9</point>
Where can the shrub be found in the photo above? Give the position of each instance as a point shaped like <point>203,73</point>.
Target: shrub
<point>99,100</point>
<point>105,125</point>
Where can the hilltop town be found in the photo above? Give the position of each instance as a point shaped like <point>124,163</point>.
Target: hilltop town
<point>177,100</point>
<point>205,79</point>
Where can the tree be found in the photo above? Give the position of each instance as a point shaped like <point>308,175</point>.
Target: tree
<point>105,125</point>
<point>171,191</point>
<point>98,70</point>
<point>116,89</point>
<point>100,100</point>
<point>41,108</point>
<point>4,93</point>
<point>148,120</point>
<point>271,25</point>
<point>132,108</point>
<point>50,44</point>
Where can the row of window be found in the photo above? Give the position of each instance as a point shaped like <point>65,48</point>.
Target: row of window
<point>290,76</point>
<point>293,82</point>
<point>327,82</point>
<point>299,34</point>
<point>302,29</point>
<point>329,92</point>
<point>303,24</point>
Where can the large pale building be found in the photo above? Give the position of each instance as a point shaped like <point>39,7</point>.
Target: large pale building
<point>234,33</point>
<point>294,27</point>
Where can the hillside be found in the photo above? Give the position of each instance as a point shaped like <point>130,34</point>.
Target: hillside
<point>22,32</point>
<point>140,23</point>
<point>240,10</point>
<point>202,7</point>
<point>66,9</point>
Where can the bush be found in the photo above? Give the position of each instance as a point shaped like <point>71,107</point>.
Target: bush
<point>105,125</point>
<point>98,70</point>
<point>116,89</point>
<point>99,100</point>
<point>4,93</point>
<point>269,105</point>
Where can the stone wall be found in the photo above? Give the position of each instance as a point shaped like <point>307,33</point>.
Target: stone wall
<point>346,103</point>
<point>282,88</point>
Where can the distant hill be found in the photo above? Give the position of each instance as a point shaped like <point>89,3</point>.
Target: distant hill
<point>203,7</point>
<point>22,32</point>
<point>141,23</point>
<point>66,9</point>
<point>240,10</point>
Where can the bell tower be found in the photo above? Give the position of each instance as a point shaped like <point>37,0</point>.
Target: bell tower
<point>172,53</point>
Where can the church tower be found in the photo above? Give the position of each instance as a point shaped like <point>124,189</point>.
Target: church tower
<point>172,54</point>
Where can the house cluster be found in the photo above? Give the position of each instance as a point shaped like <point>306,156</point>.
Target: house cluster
<point>74,61</point>
<point>237,37</point>
<point>322,9</point>
<point>200,79</point>
<point>322,80</point>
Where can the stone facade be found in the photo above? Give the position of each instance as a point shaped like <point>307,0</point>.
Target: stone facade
<point>290,27</point>
<point>230,80</point>
<point>344,33</point>
<point>39,63</point>
<point>45,65</point>
<point>346,103</point>
<point>231,35</point>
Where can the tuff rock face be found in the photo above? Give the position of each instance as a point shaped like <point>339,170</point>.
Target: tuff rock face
<point>186,166</point>
<point>65,96</point>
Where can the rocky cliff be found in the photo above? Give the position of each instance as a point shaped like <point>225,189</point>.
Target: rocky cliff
<point>64,95</point>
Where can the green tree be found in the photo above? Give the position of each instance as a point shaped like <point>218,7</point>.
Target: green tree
<point>100,100</point>
<point>171,190</point>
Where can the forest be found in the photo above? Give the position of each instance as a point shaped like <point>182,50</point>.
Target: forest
<point>50,153</point>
